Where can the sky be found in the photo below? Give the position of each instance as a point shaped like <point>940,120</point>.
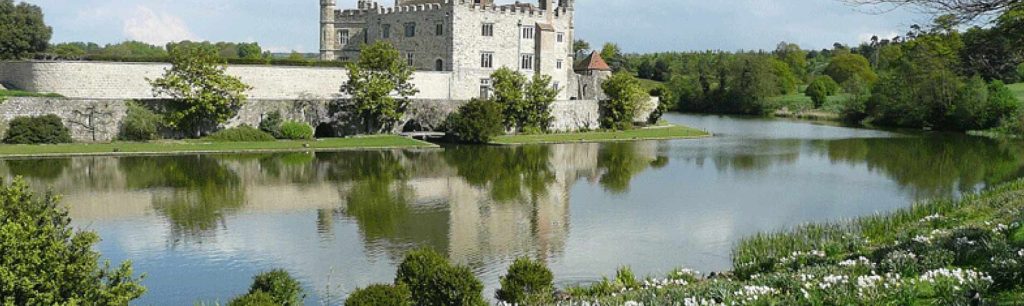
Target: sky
<point>636,25</point>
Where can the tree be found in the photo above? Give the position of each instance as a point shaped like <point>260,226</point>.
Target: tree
<point>539,96</point>
<point>794,57</point>
<point>67,51</point>
<point>820,89</point>
<point>580,46</point>
<point>477,121</point>
<point>24,31</point>
<point>624,97</point>
<point>845,65</point>
<point>296,56</point>
<point>525,278</point>
<point>963,9</point>
<point>612,55</point>
<point>250,51</point>
<point>45,262</point>
<point>510,94</point>
<point>379,86</point>
<point>203,95</point>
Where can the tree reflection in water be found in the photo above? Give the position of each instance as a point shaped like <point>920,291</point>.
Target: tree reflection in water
<point>619,162</point>
<point>509,173</point>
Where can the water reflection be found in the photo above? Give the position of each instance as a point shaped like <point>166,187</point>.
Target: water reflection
<point>359,212</point>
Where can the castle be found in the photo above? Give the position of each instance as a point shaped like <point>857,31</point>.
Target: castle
<point>468,39</point>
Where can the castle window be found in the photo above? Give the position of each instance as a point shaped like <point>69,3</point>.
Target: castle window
<point>558,64</point>
<point>439,29</point>
<point>410,58</point>
<point>343,37</point>
<point>485,88</point>
<point>488,30</point>
<point>385,31</point>
<point>487,60</point>
<point>527,62</point>
<point>410,29</point>
<point>439,65</point>
<point>557,86</point>
<point>527,32</point>
<point>561,36</point>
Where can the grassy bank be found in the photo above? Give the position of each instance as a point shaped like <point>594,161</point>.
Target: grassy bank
<point>799,105</point>
<point>941,252</point>
<point>202,146</point>
<point>652,133</point>
<point>20,93</point>
<point>1018,89</point>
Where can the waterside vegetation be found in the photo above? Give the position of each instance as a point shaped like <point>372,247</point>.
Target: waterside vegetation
<point>213,146</point>
<point>650,133</point>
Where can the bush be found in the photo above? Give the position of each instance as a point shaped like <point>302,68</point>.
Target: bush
<point>243,133</point>
<point>476,122</point>
<point>296,131</point>
<point>47,262</point>
<point>624,97</point>
<point>666,102</point>
<point>258,298</point>
<point>271,124</point>
<point>46,129</point>
<point>280,285</point>
<point>433,281</point>
<point>380,295</point>
<point>525,278</point>
<point>140,123</point>
<point>820,89</point>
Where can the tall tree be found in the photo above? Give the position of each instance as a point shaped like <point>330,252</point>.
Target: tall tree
<point>43,261</point>
<point>539,96</point>
<point>250,50</point>
<point>624,97</point>
<point>379,85</point>
<point>509,93</point>
<point>203,95</point>
<point>612,55</point>
<point>24,31</point>
<point>580,46</point>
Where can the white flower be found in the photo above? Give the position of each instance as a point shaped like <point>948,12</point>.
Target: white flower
<point>859,261</point>
<point>694,301</point>
<point>633,303</point>
<point>922,239</point>
<point>1020,253</point>
<point>1001,228</point>
<point>931,218</point>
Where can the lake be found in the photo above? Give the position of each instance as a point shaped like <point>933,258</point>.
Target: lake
<point>200,226</point>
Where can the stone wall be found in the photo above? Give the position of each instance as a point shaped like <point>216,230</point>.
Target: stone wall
<point>106,115</point>
<point>106,80</point>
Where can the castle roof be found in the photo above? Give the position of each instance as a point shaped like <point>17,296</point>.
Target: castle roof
<point>592,62</point>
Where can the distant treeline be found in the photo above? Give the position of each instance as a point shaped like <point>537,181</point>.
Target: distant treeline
<point>934,76</point>
<point>135,51</point>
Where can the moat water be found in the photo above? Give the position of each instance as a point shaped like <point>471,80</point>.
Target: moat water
<point>200,226</point>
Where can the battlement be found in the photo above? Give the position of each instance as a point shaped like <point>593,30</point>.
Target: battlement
<point>516,9</point>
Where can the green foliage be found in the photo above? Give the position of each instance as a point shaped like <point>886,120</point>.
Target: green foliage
<point>1020,72</point>
<point>847,65</point>
<point>820,89</point>
<point>295,130</point>
<point>435,282</point>
<point>477,121</point>
<point>580,46</point>
<point>525,103</point>
<point>624,98</point>
<point>24,31</point>
<point>67,51</point>
<point>666,101</point>
<point>539,95</point>
<point>281,286</point>
<point>243,133</point>
<point>258,298</point>
<point>203,96</point>
<point>47,129</point>
<point>787,80</point>
<point>250,51</point>
<point>612,56</point>
<point>271,123</point>
<point>45,262</point>
<point>794,57</point>
<point>379,86</point>
<point>525,278</point>
<point>140,123</point>
<point>625,278</point>
<point>380,295</point>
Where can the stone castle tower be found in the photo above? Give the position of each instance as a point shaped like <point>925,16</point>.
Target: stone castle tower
<point>468,39</point>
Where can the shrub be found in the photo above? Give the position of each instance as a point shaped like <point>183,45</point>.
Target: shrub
<point>46,262</point>
<point>433,281</point>
<point>271,124</point>
<point>525,277</point>
<point>476,122</point>
<point>296,131</point>
<point>46,129</point>
<point>140,123</point>
<point>666,101</point>
<point>280,285</point>
<point>380,295</point>
<point>258,298</point>
<point>820,89</point>
<point>625,277</point>
<point>624,97</point>
<point>243,133</point>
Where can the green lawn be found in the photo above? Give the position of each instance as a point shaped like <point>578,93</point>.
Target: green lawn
<point>648,85</point>
<point>202,146</point>
<point>800,102</point>
<point>1018,89</point>
<point>653,133</point>
<point>21,93</point>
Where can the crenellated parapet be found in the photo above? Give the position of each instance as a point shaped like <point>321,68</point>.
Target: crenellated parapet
<point>515,9</point>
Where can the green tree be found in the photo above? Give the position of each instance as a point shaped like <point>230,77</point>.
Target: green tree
<point>280,285</point>
<point>820,89</point>
<point>250,51</point>
<point>612,55</point>
<point>67,51</point>
<point>846,65</point>
<point>509,92</point>
<point>379,85</point>
<point>24,31</point>
<point>203,95</point>
<point>133,48</point>
<point>45,262</point>
<point>624,97</point>
<point>380,295</point>
<point>433,281</point>
<point>786,80</point>
<point>794,57</point>
<point>580,46</point>
<point>538,97</point>
<point>296,56</point>
<point>477,121</point>
<point>525,278</point>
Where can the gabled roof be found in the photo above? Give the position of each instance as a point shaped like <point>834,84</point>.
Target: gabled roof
<point>592,62</point>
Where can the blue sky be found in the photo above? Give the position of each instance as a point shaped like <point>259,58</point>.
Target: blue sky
<point>637,25</point>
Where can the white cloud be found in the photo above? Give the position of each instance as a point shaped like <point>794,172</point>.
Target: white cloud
<point>151,27</point>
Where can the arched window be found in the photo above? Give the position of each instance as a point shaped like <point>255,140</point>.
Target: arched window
<point>439,65</point>
<point>584,95</point>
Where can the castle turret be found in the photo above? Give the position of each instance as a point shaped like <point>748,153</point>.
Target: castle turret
<point>327,36</point>
<point>365,4</point>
